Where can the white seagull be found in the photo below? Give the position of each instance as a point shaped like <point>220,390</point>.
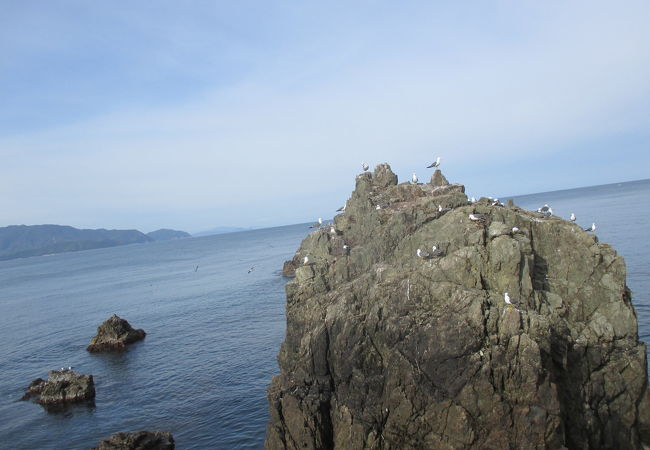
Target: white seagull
<point>472,200</point>
<point>441,209</point>
<point>422,254</point>
<point>506,297</point>
<point>435,251</point>
<point>342,208</point>
<point>544,209</point>
<point>305,260</point>
<point>572,218</point>
<point>591,228</point>
<point>435,164</point>
<point>478,217</point>
<point>365,166</point>
<point>515,229</point>
<point>414,178</point>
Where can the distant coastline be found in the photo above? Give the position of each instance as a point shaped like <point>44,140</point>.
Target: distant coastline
<point>22,241</point>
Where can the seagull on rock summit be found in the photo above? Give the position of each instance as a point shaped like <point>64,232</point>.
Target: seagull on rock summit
<point>435,164</point>
<point>365,166</point>
<point>414,178</point>
<point>318,224</point>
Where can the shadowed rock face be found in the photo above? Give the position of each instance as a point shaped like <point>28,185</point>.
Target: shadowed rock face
<point>387,350</point>
<point>114,335</point>
<point>62,387</point>
<point>139,440</point>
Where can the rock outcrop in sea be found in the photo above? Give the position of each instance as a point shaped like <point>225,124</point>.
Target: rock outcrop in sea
<point>385,349</point>
<point>61,388</point>
<point>138,440</point>
<point>114,334</point>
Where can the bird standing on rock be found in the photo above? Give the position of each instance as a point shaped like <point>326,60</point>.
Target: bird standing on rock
<point>506,298</point>
<point>414,178</point>
<point>476,217</point>
<point>591,228</point>
<point>572,218</point>
<point>365,166</point>
<point>435,164</point>
<point>422,254</point>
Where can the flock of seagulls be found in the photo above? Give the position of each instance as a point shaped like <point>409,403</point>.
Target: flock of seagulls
<point>435,251</point>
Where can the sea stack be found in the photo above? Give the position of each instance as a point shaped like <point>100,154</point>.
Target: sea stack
<point>387,350</point>
<point>62,387</point>
<point>114,335</point>
<point>138,440</point>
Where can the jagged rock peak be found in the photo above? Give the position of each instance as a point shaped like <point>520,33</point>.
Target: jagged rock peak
<point>438,179</point>
<point>62,387</point>
<point>385,349</point>
<point>114,334</point>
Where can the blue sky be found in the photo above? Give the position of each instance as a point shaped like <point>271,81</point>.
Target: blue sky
<point>196,114</point>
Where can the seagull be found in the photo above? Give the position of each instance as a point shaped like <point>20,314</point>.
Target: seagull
<point>318,224</point>
<point>472,200</point>
<point>515,230</point>
<point>414,178</point>
<point>333,230</point>
<point>496,202</point>
<point>572,218</point>
<point>346,248</point>
<point>506,297</point>
<point>435,164</point>
<point>251,269</point>
<point>365,166</point>
<point>441,209</point>
<point>478,217</point>
<point>305,260</point>
<point>544,209</point>
<point>342,208</point>
<point>69,367</point>
<point>422,254</point>
<point>435,251</point>
<point>196,268</point>
<point>591,228</point>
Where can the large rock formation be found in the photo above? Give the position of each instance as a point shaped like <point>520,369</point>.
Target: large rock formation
<point>61,388</point>
<point>114,335</point>
<point>138,440</point>
<point>384,349</point>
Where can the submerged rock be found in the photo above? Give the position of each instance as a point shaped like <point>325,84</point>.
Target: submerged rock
<point>62,387</point>
<point>114,335</point>
<point>138,440</point>
<point>387,350</point>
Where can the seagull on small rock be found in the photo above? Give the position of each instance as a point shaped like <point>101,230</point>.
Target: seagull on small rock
<point>435,164</point>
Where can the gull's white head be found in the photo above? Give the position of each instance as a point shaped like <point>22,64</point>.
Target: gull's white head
<point>439,208</point>
<point>305,260</point>
<point>573,217</point>
<point>434,248</point>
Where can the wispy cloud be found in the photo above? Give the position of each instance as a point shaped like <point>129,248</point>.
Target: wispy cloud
<point>510,97</point>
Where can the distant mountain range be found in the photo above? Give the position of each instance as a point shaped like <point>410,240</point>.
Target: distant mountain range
<point>20,241</point>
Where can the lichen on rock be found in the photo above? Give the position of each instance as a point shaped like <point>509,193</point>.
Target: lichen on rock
<point>387,350</point>
<point>114,334</point>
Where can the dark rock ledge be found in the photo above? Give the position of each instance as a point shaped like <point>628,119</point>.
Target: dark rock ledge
<point>114,335</point>
<point>138,440</point>
<point>61,388</point>
<point>387,350</point>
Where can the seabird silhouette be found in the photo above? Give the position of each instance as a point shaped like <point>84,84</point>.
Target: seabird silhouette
<point>342,208</point>
<point>365,166</point>
<point>435,164</point>
<point>251,269</point>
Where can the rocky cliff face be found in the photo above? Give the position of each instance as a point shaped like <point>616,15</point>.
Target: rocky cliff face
<point>385,349</point>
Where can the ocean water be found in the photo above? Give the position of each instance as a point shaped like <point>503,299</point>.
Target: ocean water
<point>212,333</point>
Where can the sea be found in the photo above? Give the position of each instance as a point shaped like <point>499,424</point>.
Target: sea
<point>213,310</point>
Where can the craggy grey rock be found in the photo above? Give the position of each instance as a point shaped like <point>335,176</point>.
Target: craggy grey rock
<point>438,179</point>
<point>114,335</point>
<point>62,387</point>
<point>385,350</point>
<point>139,440</point>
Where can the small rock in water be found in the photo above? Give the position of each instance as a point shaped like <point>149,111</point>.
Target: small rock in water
<point>62,387</point>
<point>138,440</point>
<point>114,335</point>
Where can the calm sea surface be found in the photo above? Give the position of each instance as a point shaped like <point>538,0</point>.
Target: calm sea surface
<point>212,333</point>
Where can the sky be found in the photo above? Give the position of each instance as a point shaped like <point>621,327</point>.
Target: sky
<point>197,114</point>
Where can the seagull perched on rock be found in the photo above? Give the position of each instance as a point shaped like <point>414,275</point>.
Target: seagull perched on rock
<point>591,228</point>
<point>515,230</point>
<point>414,178</point>
<point>333,230</point>
<point>572,218</point>
<point>305,260</point>
<point>476,217</point>
<point>544,209</point>
<point>507,299</point>
<point>435,251</point>
<point>443,210</point>
<point>496,202</point>
<point>472,200</point>
<point>365,166</point>
<point>422,254</point>
<point>318,223</point>
<point>342,208</point>
<point>435,164</point>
